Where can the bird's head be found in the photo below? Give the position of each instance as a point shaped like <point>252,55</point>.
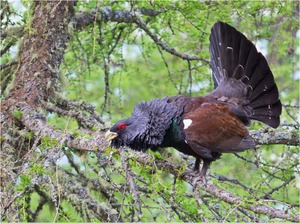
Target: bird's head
<point>127,132</point>
<point>146,128</point>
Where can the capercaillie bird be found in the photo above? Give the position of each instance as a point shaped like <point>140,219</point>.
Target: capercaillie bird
<point>207,126</point>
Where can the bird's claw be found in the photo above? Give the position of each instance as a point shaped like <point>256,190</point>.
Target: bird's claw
<point>197,179</point>
<point>189,174</point>
<point>194,176</point>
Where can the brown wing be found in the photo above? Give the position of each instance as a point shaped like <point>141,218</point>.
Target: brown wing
<point>213,127</point>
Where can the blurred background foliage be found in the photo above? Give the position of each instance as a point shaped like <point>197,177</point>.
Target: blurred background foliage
<point>116,65</point>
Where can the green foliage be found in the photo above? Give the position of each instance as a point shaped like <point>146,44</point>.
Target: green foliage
<point>62,122</point>
<point>24,182</point>
<point>114,65</point>
<point>184,27</point>
<point>48,142</point>
<point>17,114</point>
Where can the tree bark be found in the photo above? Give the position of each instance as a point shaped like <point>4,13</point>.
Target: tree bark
<point>36,80</point>
<point>40,55</point>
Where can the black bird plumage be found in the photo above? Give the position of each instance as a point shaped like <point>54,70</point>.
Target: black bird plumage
<point>206,126</point>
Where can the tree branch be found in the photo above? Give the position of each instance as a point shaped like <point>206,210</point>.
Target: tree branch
<point>77,194</point>
<point>36,123</point>
<point>141,24</point>
<point>83,121</point>
<point>266,136</point>
<point>15,31</point>
<point>267,195</point>
<point>106,14</point>
<point>84,19</point>
<point>218,192</point>
<point>132,185</point>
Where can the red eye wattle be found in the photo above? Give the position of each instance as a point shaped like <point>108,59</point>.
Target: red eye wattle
<point>122,126</point>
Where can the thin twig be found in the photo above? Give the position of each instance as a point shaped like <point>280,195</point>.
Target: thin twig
<point>131,184</point>
<point>267,195</point>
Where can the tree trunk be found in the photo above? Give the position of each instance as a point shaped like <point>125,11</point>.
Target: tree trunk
<point>37,80</point>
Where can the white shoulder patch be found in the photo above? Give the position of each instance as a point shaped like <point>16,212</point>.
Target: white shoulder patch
<point>186,123</point>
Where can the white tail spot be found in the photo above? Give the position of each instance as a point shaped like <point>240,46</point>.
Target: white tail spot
<point>186,123</point>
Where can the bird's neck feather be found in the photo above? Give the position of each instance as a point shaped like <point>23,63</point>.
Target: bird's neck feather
<point>174,134</point>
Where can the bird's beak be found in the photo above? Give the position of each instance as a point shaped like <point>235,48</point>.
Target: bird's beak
<point>109,136</point>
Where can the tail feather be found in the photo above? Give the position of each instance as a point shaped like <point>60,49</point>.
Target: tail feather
<point>252,60</point>
<point>267,112</point>
<point>239,73</point>
<point>265,86</point>
<point>272,110</point>
<point>234,57</point>
<point>261,72</point>
<point>244,49</point>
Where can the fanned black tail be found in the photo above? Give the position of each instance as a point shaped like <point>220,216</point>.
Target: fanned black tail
<point>240,71</point>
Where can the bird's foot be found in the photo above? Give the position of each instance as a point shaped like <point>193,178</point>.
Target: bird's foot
<point>194,176</point>
<point>189,174</point>
<point>197,179</point>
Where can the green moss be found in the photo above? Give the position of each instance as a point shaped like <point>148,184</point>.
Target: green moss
<point>17,114</point>
<point>48,142</point>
